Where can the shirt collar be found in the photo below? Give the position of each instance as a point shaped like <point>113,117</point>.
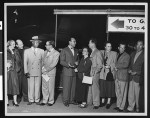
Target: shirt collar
<point>70,47</point>
<point>139,51</point>
<point>51,50</point>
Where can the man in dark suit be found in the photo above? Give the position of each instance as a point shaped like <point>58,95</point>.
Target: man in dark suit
<point>23,85</point>
<point>69,61</point>
<point>135,68</point>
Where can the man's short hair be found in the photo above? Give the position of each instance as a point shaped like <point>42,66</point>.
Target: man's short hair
<point>51,42</point>
<point>93,40</point>
<point>140,41</point>
<point>122,43</point>
<point>107,43</point>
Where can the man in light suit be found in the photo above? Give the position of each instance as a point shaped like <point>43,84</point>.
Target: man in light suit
<point>69,61</point>
<point>33,68</point>
<point>121,78</point>
<point>51,57</point>
<point>135,69</point>
<point>97,63</point>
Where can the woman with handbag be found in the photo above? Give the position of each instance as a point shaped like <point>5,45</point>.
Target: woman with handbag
<point>107,85</point>
<point>83,69</point>
<point>12,69</point>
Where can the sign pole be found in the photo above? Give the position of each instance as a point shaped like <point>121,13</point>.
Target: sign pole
<point>107,28</point>
<point>56,31</point>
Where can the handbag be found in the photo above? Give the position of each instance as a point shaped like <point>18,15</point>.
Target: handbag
<point>109,76</point>
<point>87,80</point>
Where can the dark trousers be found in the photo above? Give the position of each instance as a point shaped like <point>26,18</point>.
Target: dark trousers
<point>69,85</point>
<point>81,91</point>
<point>23,86</point>
<point>141,98</point>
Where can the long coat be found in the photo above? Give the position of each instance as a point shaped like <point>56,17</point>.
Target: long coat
<point>112,56</point>
<point>32,62</point>
<point>66,57</point>
<point>122,65</point>
<point>50,61</point>
<point>12,77</point>
<point>136,67</point>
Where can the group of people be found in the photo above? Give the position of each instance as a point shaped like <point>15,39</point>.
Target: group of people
<point>113,74</point>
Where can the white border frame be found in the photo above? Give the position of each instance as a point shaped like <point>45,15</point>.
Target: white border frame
<point>74,4</point>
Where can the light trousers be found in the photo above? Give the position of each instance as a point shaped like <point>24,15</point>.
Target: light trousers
<point>121,93</point>
<point>133,95</point>
<point>94,92</point>
<point>34,87</point>
<point>48,88</point>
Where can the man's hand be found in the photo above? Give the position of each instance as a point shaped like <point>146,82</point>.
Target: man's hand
<point>76,63</point>
<point>133,73</point>
<point>70,65</point>
<point>27,75</point>
<point>130,71</point>
<point>116,69</point>
<point>76,70</point>
<point>107,66</point>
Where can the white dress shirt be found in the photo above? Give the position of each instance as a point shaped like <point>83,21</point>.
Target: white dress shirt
<point>72,50</point>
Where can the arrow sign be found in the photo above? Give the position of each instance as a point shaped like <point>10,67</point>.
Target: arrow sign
<point>118,24</point>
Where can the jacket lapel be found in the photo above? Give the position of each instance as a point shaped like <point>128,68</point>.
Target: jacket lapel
<point>139,57</point>
<point>70,51</point>
<point>93,53</point>
<point>121,56</point>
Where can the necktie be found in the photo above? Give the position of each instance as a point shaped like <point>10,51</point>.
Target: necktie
<point>34,51</point>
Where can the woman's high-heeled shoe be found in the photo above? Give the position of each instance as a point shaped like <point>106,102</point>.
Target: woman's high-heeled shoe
<point>83,105</point>
<point>15,104</point>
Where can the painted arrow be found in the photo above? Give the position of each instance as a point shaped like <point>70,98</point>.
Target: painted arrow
<point>118,24</point>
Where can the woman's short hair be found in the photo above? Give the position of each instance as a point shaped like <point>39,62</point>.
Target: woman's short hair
<point>88,49</point>
<point>9,42</point>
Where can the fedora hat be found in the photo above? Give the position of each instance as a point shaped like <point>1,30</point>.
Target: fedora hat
<point>35,38</point>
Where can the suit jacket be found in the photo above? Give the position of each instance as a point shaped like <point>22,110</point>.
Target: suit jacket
<point>136,67</point>
<point>112,56</point>
<point>97,62</point>
<point>66,57</point>
<point>122,65</point>
<point>50,61</point>
<point>32,62</point>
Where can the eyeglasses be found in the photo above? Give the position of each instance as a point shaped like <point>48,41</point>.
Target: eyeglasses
<point>47,45</point>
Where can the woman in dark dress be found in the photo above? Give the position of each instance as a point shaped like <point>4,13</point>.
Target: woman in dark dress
<point>12,69</point>
<point>83,69</point>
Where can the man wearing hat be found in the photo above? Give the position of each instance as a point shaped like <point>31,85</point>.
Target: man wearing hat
<point>33,67</point>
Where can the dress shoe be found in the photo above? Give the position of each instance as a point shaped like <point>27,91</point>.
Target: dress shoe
<point>95,107</point>
<point>127,110</point>
<point>49,104</point>
<point>66,104</point>
<point>25,100</point>
<point>116,108</point>
<point>137,110</point>
<point>102,104</point>
<point>29,103</point>
<point>42,104</point>
<point>38,103</point>
<point>108,106</point>
<point>74,103</point>
<point>119,110</point>
<point>14,104</point>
